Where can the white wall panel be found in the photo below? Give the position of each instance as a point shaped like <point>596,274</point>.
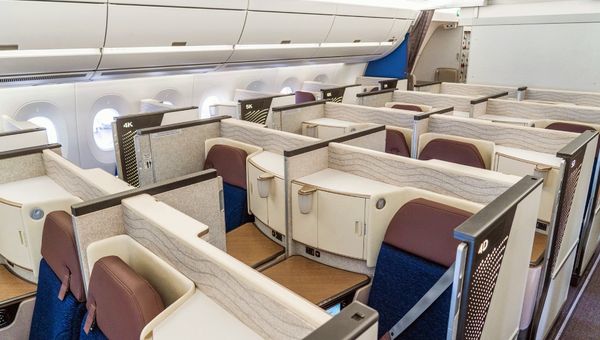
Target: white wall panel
<point>55,102</point>
<point>227,4</point>
<point>558,56</point>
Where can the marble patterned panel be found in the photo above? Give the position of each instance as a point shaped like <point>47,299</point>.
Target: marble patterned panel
<point>364,114</point>
<point>252,298</point>
<point>524,109</point>
<point>406,172</point>
<point>540,140</point>
<point>376,100</point>
<point>460,103</point>
<point>20,168</point>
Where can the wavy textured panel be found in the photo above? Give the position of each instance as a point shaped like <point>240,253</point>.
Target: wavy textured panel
<point>473,90</point>
<point>376,100</point>
<point>291,120</point>
<point>540,140</point>
<point>71,181</point>
<point>529,110</point>
<point>578,98</point>
<point>255,308</point>
<point>405,172</point>
<point>363,114</point>
<point>20,168</point>
<point>268,139</point>
<point>460,103</point>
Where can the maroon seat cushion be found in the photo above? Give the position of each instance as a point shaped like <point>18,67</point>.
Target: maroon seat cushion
<point>60,252</point>
<point>407,107</point>
<point>395,143</point>
<point>453,151</point>
<point>569,127</point>
<point>120,301</point>
<point>426,228</point>
<point>303,97</point>
<point>230,163</point>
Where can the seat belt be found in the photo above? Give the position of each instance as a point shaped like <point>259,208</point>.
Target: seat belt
<point>424,303</point>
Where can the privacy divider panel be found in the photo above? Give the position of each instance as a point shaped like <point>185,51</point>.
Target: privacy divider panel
<point>24,163</point>
<point>377,98</point>
<point>267,308</point>
<point>578,98</point>
<point>476,186</point>
<point>524,109</point>
<point>361,114</point>
<point>289,118</point>
<point>476,90</point>
<point>268,139</point>
<point>460,103</point>
<point>174,150</point>
<point>540,140</point>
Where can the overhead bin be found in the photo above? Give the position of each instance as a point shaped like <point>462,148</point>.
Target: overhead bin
<point>169,36</point>
<point>356,36</point>
<point>293,6</point>
<point>276,36</point>
<point>395,36</point>
<point>49,37</point>
<point>221,4</point>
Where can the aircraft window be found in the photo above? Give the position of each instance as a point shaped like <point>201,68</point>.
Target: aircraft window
<point>256,86</point>
<point>322,78</point>
<point>287,90</point>
<point>212,100</point>
<point>48,125</point>
<point>103,128</point>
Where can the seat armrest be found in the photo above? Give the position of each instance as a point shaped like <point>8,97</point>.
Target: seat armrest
<point>353,322</point>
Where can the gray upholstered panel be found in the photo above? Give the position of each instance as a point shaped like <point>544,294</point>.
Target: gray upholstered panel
<point>20,168</point>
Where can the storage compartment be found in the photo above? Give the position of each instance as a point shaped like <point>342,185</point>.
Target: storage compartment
<point>169,36</point>
<point>266,189</point>
<point>272,36</point>
<point>224,4</point>
<point>45,36</point>
<point>355,36</point>
<point>172,286</point>
<point>24,206</point>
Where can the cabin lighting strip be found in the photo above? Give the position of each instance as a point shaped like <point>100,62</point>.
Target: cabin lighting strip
<point>62,52</point>
<point>166,49</point>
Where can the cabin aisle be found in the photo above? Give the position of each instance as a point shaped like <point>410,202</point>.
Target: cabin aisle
<point>584,322</point>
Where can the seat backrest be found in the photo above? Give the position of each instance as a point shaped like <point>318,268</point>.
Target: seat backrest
<point>59,250</point>
<point>453,151</point>
<point>417,250</point>
<point>395,143</point>
<point>304,97</point>
<point>407,107</point>
<point>59,304</point>
<point>120,302</point>
<point>230,163</point>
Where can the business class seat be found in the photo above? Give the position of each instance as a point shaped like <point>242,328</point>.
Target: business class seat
<point>120,302</point>
<point>59,305</point>
<point>304,97</point>
<point>407,107</point>
<point>244,241</point>
<point>230,163</point>
<point>453,151</point>
<point>417,250</point>
<point>395,143</point>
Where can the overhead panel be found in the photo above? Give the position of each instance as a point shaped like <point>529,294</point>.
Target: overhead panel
<point>353,36</point>
<point>221,4</point>
<point>276,36</point>
<point>49,37</point>
<point>169,36</point>
<point>395,36</point>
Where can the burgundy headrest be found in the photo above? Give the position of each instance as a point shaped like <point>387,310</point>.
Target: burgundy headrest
<point>60,252</point>
<point>453,151</point>
<point>303,97</point>
<point>407,107</point>
<point>120,302</point>
<point>425,228</point>
<point>569,127</point>
<point>395,143</point>
<point>230,163</point>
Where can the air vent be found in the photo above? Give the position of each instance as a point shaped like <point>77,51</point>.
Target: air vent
<point>41,78</point>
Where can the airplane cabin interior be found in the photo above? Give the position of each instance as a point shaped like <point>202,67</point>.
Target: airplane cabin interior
<point>299,169</point>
